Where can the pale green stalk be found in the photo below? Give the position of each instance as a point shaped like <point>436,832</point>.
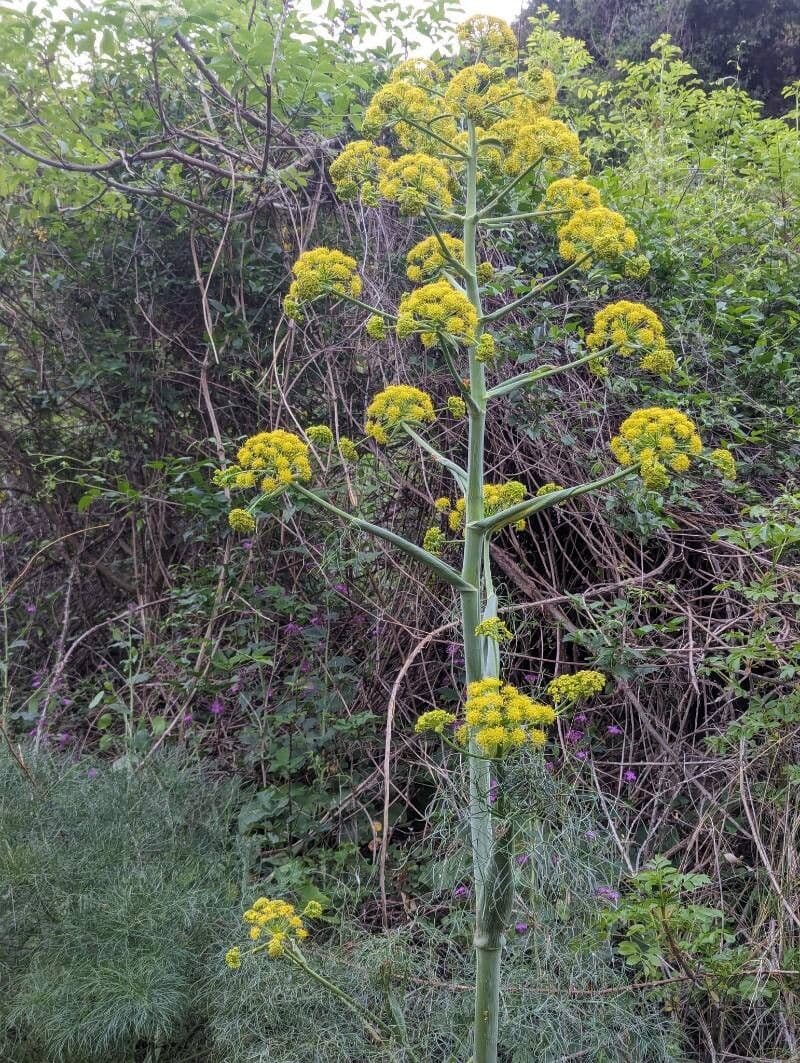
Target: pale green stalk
<point>494,887</point>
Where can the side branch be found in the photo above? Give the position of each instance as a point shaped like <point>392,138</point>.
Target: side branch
<point>544,371</point>
<point>458,474</point>
<point>441,568</point>
<point>537,290</point>
<point>535,505</point>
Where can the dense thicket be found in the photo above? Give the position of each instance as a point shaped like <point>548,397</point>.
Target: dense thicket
<point>753,42</point>
<point>159,175</point>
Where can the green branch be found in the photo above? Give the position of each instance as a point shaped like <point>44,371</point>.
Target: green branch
<point>530,215</point>
<point>544,371</point>
<point>526,298</point>
<point>441,568</point>
<point>535,505</point>
<point>508,188</point>
<point>458,474</point>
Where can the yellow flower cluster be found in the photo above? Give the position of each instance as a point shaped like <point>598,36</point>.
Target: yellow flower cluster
<point>435,310</point>
<point>268,461</point>
<point>398,404</point>
<point>416,181</point>
<point>570,689</point>
<point>376,327</point>
<point>548,488</point>
<point>599,233</point>
<point>486,348</point>
<point>241,521</point>
<point>422,72</point>
<point>275,924</point>
<point>488,37</point>
<point>456,406</point>
<point>405,107</point>
<point>434,541</point>
<point>496,497</point>
<point>658,439</point>
<point>724,461</point>
<point>320,435</point>
<point>318,273</point>
<point>632,328</point>
<point>495,629</point>
<point>501,718</point>
<point>545,139</point>
<point>356,169</point>
<point>436,720</point>
<point>427,258</point>
<point>571,194</point>
<point>471,92</point>
<point>348,449</point>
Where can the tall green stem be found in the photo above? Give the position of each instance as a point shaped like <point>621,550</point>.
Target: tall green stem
<point>493,884</point>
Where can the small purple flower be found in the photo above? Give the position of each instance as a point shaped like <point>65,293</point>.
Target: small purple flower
<point>531,678</point>
<point>591,835</point>
<point>92,773</point>
<point>30,608</point>
<point>613,730</point>
<point>452,649</point>
<point>64,738</point>
<point>521,928</point>
<point>341,588</point>
<point>572,736</point>
<point>582,754</point>
<point>606,893</point>
<point>292,628</point>
<point>629,776</point>
<point>581,717</point>
<point>304,666</point>
<point>523,859</point>
<point>246,544</point>
<point>317,621</point>
<point>36,680</point>
<point>461,893</point>
<point>217,706</point>
<point>549,766</point>
<point>66,702</point>
<point>492,791</point>
<point>187,718</point>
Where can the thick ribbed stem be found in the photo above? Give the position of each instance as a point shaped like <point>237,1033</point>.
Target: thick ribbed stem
<point>475,571</point>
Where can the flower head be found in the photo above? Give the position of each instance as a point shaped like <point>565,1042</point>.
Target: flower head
<point>488,37</point>
<point>436,720</point>
<point>356,170</point>
<point>570,689</point>
<point>724,461</point>
<point>241,521</point>
<point>434,541</point>
<point>376,327</point>
<point>661,440</point>
<point>414,182</point>
<point>545,141</point>
<point>496,497</point>
<point>548,489</point>
<point>406,104</point>
<point>430,256</point>
<point>501,719</point>
<point>598,233</point>
<point>436,310</point>
<point>320,435</point>
<point>318,273</point>
<point>495,629</point>
<point>571,194</point>
<point>632,329</point>
<point>456,406</point>
<point>267,461</point>
<point>274,924</point>
<point>396,405</point>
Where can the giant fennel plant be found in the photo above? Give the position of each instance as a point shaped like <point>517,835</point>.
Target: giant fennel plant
<point>468,146</point>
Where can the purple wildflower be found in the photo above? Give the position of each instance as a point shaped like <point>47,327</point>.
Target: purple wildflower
<point>492,791</point>
<point>292,628</point>
<point>590,834</point>
<point>341,588</point>
<point>522,859</point>
<point>187,718</point>
<point>30,608</point>
<point>521,928</point>
<point>92,773</point>
<point>607,894</point>
<point>461,892</point>
<point>582,754</point>
<point>613,730</point>
<point>572,736</point>
<point>581,717</point>
<point>629,776</point>
<point>217,706</point>
<point>531,678</point>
